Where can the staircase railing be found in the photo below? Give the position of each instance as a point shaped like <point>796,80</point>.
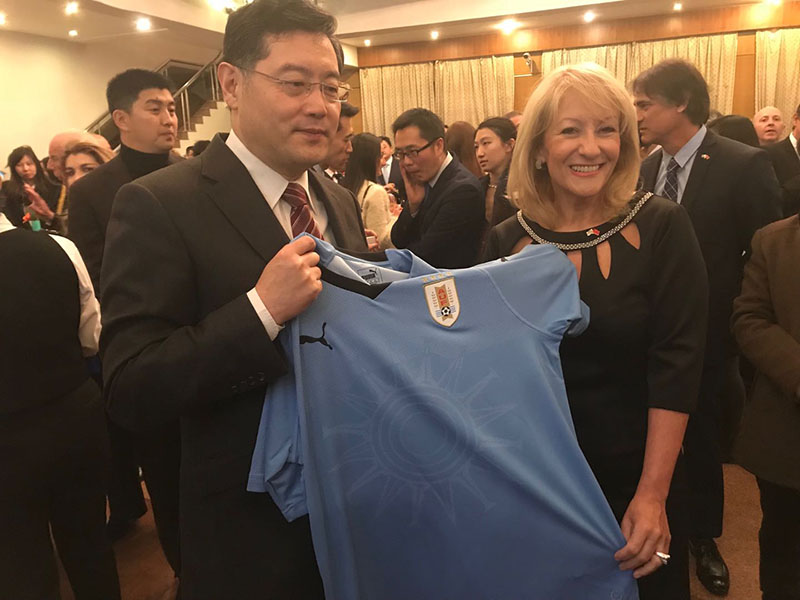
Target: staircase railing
<point>200,89</point>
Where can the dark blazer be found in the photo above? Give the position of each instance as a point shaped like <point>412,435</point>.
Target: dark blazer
<point>181,339</point>
<point>395,177</point>
<point>503,208</point>
<point>731,192</point>
<point>766,321</point>
<point>90,202</point>
<point>13,200</point>
<point>447,229</point>
<point>787,169</point>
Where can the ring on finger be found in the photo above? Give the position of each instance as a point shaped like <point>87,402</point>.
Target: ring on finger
<point>663,557</point>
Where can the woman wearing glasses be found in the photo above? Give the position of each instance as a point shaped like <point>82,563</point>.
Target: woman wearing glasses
<point>633,376</point>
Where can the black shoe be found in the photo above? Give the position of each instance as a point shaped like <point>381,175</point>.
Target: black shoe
<point>711,568</point>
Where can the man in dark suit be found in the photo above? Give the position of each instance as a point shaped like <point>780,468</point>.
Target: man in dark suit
<point>334,164</point>
<point>199,277</point>
<point>786,162</point>
<point>729,190</point>
<point>390,177</point>
<point>442,218</point>
<point>143,109</point>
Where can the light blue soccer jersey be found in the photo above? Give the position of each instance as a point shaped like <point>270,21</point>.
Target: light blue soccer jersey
<point>424,427</point>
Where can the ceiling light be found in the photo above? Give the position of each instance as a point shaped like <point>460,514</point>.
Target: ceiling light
<point>773,2</point>
<point>71,8</point>
<point>677,6</point>
<point>589,16</point>
<point>2,18</point>
<point>72,33</point>
<point>143,24</point>
<point>508,26</point>
<point>223,5</point>
<point>367,42</point>
<point>434,35</point>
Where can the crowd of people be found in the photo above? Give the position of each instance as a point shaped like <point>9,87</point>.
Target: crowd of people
<point>682,230</point>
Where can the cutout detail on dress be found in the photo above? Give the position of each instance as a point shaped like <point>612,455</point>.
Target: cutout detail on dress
<point>576,256</point>
<point>631,234</point>
<point>604,258</point>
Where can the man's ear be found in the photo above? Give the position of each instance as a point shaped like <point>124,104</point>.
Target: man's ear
<point>121,119</point>
<point>231,80</point>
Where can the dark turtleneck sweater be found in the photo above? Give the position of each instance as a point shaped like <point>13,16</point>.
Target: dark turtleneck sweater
<point>142,163</point>
<point>92,198</point>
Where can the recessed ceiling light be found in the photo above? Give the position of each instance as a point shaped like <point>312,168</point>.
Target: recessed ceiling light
<point>508,26</point>
<point>143,24</point>
<point>677,6</point>
<point>434,35</point>
<point>72,33</point>
<point>2,18</point>
<point>367,42</point>
<point>589,16</point>
<point>773,2</point>
<point>71,8</point>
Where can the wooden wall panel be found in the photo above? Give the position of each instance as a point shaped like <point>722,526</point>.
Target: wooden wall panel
<point>702,22</point>
<point>744,91</point>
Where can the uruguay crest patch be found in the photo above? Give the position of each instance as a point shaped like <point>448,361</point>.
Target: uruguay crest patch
<point>442,298</point>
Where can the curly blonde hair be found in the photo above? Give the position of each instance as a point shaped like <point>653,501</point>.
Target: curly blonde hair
<point>531,189</point>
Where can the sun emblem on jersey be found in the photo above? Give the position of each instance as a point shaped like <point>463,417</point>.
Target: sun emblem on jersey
<point>422,443</point>
<point>442,299</point>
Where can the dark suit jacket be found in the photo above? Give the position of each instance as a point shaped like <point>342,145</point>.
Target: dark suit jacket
<point>447,229</point>
<point>766,321</point>
<point>181,339</point>
<point>731,192</point>
<point>395,177</point>
<point>787,169</point>
<point>90,202</point>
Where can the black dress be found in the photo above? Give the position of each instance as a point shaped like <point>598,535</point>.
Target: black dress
<point>643,349</point>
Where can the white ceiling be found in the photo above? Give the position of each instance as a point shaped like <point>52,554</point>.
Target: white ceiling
<point>382,21</point>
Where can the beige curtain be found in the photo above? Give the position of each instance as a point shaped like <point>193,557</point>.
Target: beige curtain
<point>388,91</point>
<point>778,71</point>
<point>614,58</point>
<point>474,90</point>
<point>713,55</point>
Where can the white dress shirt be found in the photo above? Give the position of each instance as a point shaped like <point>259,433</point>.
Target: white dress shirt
<point>387,169</point>
<point>89,324</point>
<point>272,184</point>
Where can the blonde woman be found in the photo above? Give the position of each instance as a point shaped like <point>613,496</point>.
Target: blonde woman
<point>633,376</point>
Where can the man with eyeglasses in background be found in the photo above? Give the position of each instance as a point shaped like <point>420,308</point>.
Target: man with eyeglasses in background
<point>443,216</point>
<point>199,277</point>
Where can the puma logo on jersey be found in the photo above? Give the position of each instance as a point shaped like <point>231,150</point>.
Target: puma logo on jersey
<point>307,339</point>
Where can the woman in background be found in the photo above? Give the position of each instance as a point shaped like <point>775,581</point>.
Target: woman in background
<point>494,147</point>
<point>28,191</point>
<point>459,140</point>
<point>360,178</point>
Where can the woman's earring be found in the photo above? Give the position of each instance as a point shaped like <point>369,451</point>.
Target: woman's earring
<point>539,164</point>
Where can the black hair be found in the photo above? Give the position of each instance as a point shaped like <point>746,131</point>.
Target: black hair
<point>677,82</point>
<point>348,110</point>
<point>15,183</point>
<point>429,124</point>
<point>363,161</point>
<point>199,146</point>
<point>387,139</point>
<point>245,42</point>
<point>502,126</point>
<point>735,127</point>
<point>124,88</point>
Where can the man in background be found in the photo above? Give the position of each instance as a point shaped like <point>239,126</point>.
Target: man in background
<point>341,146</point>
<point>769,125</point>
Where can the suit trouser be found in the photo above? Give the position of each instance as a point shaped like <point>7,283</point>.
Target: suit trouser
<point>779,542</point>
<point>125,497</point>
<point>160,456</point>
<point>54,469</point>
<point>702,451</point>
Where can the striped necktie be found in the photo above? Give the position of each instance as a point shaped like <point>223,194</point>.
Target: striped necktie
<point>671,184</point>
<point>301,218</point>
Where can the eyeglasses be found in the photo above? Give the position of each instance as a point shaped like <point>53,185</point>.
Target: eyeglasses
<point>295,88</point>
<point>412,153</point>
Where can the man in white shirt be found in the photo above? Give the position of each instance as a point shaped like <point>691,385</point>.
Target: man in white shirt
<point>199,276</point>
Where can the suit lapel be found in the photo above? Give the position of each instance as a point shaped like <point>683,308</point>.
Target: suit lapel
<point>702,161</point>
<point>649,171</point>
<point>240,200</point>
<point>326,197</point>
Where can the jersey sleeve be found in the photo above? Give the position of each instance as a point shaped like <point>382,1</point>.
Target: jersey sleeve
<point>540,285</point>
<point>277,463</point>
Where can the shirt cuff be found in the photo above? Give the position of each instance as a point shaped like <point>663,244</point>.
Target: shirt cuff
<point>272,328</point>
